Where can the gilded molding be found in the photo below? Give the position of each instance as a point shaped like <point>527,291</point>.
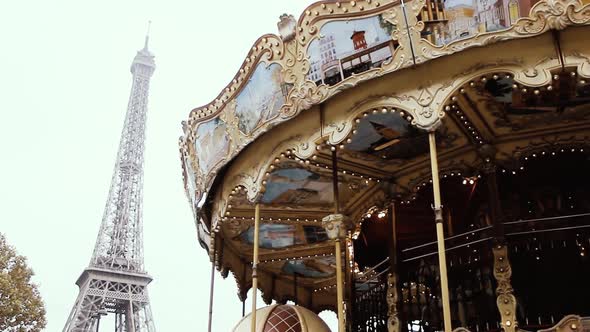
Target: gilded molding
<point>461,329</point>
<point>374,197</point>
<point>569,323</point>
<point>512,157</point>
<point>505,300</point>
<point>268,48</point>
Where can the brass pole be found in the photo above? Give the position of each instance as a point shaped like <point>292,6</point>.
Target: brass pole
<point>335,181</point>
<point>339,290</point>
<point>254,265</point>
<point>211,294</point>
<point>440,237</point>
<point>337,249</point>
<point>393,320</point>
<point>393,221</point>
<point>349,290</point>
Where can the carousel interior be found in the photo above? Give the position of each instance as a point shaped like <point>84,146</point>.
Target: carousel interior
<point>540,201</point>
<point>508,141</point>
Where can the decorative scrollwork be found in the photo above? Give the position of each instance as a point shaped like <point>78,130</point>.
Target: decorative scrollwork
<point>506,300</point>
<point>569,323</point>
<point>553,14</point>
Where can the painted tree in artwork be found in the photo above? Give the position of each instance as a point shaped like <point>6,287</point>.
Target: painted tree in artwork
<point>386,25</point>
<point>21,307</point>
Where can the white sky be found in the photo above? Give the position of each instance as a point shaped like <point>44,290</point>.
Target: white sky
<point>64,85</point>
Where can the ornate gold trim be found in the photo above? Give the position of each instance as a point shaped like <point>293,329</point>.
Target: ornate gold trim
<point>569,323</point>
<point>505,300</point>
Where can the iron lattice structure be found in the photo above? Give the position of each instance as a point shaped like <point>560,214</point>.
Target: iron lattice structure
<point>115,280</point>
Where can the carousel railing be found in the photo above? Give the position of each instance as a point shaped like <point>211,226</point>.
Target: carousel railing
<point>471,283</point>
<point>549,259</point>
<point>370,310</point>
<point>544,254</point>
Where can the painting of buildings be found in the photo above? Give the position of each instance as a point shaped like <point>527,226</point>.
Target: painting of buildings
<point>349,47</point>
<point>261,98</point>
<point>311,268</point>
<point>273,236</point>
<point>211,144</point>
<point>294,186</point>
<point>462,21</point>
<point>466,18</point>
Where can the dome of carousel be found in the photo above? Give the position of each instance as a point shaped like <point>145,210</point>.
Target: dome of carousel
<point>283,318</point>
<point>412,166</point>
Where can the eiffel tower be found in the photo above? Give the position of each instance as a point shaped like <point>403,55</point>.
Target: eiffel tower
<point>115,281</point>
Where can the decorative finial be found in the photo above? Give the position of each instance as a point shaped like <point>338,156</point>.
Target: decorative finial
<point>147,35</point>
<point>286,27</point>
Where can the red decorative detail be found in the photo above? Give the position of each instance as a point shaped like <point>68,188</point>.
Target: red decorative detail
<point>358,40</point>
<point>283,318</point>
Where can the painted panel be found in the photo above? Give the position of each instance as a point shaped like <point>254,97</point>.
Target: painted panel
<point>261,98</point>
<point>466,18</point>
<point>211,144</point>
<point>273,236</point>
<point>389,136</point>
<point>295,186</point>
<point>191,184</point>
<point>311,268</point>
<point>523,108</point>
<point>347,47</point>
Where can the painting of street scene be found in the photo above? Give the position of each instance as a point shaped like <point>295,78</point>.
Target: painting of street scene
<point>311,268</point>
<point>349,47</point>
<point>296,186</point>
<point>467,18</point>
<point>273,236</point>
<point>211,144</point>
<point>261,98</point>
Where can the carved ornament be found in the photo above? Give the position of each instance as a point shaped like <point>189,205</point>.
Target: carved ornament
<point>505,300</point>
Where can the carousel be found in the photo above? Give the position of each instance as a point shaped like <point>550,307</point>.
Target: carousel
<point>412,166</point>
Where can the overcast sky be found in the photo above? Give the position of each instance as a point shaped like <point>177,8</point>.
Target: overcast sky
<point>64,86</point>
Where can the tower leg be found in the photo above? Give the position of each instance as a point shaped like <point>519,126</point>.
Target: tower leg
<point>100,292</point>
<point>82,318</point>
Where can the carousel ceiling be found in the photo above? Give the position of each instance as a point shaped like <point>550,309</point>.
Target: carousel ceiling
<point>350,78</point>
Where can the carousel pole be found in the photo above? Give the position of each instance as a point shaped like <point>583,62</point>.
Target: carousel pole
<point>254,265</point>
<point>440,237</point>
<point>211,295</point>
<point>393,321</point>
<point>339,290</point>
<point>335,181</point>
<point>337,249</point>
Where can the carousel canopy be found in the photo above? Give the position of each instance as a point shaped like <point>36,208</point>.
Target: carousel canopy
<point>367,81</point>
